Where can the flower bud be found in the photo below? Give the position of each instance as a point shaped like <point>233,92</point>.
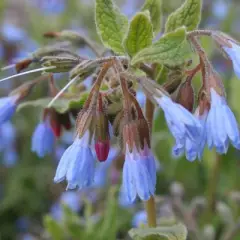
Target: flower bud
<point>58,121</point>
<point>23,64</point>
<point>185,95</point>
<point>102,143</point>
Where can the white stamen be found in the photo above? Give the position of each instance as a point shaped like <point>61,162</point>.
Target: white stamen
<point>28,72</point>
<point>62,90</point>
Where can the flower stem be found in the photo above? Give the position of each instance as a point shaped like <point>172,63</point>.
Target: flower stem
<point>151,212</point>
<point>213,181</point>
<point>150,204</point>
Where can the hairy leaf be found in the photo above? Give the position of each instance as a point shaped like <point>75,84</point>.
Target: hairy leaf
<point>154,7</point>
<point>111,25</point>
<point>175,232</point>
<point>188,15</point>
<point>172,49</point>
<point>140,34</point>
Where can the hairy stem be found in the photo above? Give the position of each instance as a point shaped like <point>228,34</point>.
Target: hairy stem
<point>200,33</point>
<point>150,204</point>
<point>213,181</point>
<point>151,212</point>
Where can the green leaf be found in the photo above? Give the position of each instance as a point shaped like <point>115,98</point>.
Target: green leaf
<point>54,229</point>
<point>175,232</point>
<point>111,25</point>
<point>60,105</point>
<point>188,15</point>
<point>140,34</point>
<point>172,49</point>
<point>154,7</point>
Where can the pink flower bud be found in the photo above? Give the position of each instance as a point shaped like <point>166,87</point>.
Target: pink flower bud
<point>102,149</point>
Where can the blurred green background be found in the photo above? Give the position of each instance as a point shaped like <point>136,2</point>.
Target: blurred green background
<point>27,191</point>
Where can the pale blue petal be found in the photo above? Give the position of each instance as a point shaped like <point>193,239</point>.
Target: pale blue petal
<point>232,127</point>
<point>142,179</point>
<point>128,184</point>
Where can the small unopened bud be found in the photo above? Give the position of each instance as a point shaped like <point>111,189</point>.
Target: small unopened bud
<point>51,34</point>
<point>102,144</point>
<point>58,121</point>
<point>23,65</point>
<point>185,95</point>
<point>102,149</point>
<point>55,124</point>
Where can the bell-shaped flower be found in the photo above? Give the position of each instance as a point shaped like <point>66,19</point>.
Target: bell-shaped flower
<point>221,125</point>
<point>139,174</point>
<point>7,107</point>
<point>43,139</point>
<point>77,164</point>
<point>191,148</point>
<point>180,121</point>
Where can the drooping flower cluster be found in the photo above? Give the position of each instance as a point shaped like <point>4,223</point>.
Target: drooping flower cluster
<point>111,109</point>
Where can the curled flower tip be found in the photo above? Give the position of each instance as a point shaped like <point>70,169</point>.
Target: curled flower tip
<point>180,121</point>
<point>139,174</point>
<point>221,125</point>
<point>43,139</point>
<point>102,150</point>
<point>7,107</point>
<point>77,164</point>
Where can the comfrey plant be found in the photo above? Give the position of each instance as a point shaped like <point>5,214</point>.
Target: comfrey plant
<point>133,56</point>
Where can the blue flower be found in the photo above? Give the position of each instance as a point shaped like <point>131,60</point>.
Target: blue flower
<point>139,218</point>
<point>43,139</point>
<point>221,125</point>
<point>234,54</point>
<point>7,108</point>
<point>77,164</point>
<point>180,121</point>
<point>139,174</point>
<point>191,148</point>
